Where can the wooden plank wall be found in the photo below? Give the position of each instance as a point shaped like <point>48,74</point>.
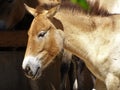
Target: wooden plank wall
<point>13,38</point>
<point>11,74</point>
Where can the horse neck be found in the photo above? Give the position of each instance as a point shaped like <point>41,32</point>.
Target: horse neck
<point>85,35</point>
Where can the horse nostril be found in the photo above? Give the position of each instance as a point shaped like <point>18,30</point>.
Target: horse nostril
<point>28,71</point>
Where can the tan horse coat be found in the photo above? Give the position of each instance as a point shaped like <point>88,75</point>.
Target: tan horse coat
<point>95,39</point>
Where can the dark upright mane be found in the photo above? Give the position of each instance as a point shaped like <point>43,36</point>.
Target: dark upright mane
<point>94,8</point>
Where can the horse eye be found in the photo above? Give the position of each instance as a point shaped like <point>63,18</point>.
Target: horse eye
<point>41,34</point>
<point>10,1</point>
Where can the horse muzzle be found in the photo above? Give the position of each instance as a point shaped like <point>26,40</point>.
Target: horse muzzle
<point>32,67</point>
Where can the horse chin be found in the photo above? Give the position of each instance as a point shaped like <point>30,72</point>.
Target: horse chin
<point>36,76</point>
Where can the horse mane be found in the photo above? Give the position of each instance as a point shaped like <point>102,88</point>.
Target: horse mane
<point>97,9</point>
<point>94,8</point>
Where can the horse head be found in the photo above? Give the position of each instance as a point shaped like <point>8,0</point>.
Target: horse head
<point>43,43</point>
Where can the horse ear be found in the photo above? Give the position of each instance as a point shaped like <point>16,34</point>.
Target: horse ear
<point>51,12</point>
<point>31,10</point>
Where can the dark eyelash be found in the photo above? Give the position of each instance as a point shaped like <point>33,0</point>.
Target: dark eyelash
<point>41,34</point>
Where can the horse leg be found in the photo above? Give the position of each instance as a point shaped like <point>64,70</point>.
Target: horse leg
<point>99,85</point>
<point>64,72</point>
<point>112,82</point>
<point>84,77</point>
<point>65,67</point>
<point>72,74</point>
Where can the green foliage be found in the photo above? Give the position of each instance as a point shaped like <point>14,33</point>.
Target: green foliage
<point>82,3</point>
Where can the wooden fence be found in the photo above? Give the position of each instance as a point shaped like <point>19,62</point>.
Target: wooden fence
<point>12,48</point>
<point>13,38</point>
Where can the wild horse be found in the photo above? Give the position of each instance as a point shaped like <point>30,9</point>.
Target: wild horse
<point>94,39</point>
